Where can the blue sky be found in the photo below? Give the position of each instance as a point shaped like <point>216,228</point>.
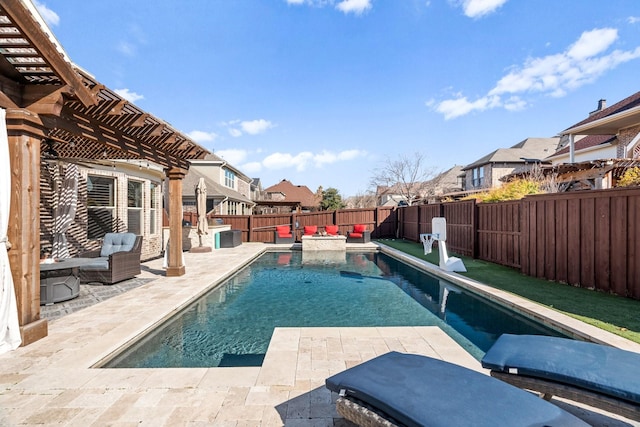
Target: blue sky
<point>321,92</point>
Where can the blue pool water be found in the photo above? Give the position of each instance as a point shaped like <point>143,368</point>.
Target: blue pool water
<point>232,324</point>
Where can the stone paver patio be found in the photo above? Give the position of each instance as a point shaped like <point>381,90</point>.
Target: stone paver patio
<point>53,382</point>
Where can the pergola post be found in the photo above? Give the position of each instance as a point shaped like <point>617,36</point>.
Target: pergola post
<point>24,221</point>
<point>175,267</point>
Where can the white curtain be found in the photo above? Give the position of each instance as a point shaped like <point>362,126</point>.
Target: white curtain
<point>65,211</point>
<point>9,325</point>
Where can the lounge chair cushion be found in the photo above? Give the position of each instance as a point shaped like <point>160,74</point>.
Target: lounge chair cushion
<point>117,242</point>
<point>595,367</point>
<point>331,229</point>
<point>99,263</point>
<point>421,391</point>
<point>310,229</point>
<point>283,231</point>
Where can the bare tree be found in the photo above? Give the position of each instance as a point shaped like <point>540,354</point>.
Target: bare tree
<point>362,200</point>
<point>406,176</point>
<point>548,182</point>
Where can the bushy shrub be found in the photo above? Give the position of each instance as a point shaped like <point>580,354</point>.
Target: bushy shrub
<point>630,177</point>
<point>513,190</point>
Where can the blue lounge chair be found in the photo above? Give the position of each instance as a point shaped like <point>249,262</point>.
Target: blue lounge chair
<point>414,390</point>
<point>597,375</point>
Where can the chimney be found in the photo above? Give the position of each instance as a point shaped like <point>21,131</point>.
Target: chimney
<point>602,104</point>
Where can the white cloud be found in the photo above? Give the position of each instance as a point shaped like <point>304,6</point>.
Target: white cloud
<point>235,156</point>
<point>237,128</point>
<point>128,95</point>
<point>305,159</point>
<point>480,8</point>
<point>201,136</point>
<point>286,160</point>
<point>49,16</point>
<point>553,75</point>
<point>235,132</point>
<point>633,19</point>
<point>126,48</point>
<point>255,127</point>
<point>592,43</point>
<point>251,167</point>
<point>357,7</point>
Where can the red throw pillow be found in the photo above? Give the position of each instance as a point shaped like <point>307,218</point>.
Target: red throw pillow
<point>310,229</point>
<point>331,229</point>
<point>359,228</point>
<point>283,230</point>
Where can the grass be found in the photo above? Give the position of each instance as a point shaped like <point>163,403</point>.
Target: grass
<point>618,315</point>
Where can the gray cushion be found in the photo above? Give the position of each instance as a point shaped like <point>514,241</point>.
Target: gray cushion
<point>599,368</point>
<point>117,242</point>
<point>100,263</point>
<point>422,391</point>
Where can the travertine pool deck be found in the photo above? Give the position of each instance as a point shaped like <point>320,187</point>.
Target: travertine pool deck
<point>52,382</point>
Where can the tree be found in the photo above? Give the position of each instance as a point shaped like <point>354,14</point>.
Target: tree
<point>331,200</point>
<point>406,176</point>
<point>362,200</point>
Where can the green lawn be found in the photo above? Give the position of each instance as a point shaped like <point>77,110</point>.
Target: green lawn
<point>612,313</point>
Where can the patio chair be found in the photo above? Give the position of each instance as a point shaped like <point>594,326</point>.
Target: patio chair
<point>414,390</point>
<point>117,260</point>
<point>283,234</point>
<point>331,230</point>
<point>360,234</point>
<point>310,230</point>
<point>597,375</point>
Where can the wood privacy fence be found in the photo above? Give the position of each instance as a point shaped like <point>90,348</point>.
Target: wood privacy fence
<point>382,221</point>
<point>589,239</point>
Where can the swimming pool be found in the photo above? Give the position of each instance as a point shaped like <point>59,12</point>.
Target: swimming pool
<point>233,323</point>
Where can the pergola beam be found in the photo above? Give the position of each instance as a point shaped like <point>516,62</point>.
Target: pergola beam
<point>34,32</point>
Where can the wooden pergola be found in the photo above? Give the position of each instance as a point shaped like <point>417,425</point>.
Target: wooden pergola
<point>48,98</point>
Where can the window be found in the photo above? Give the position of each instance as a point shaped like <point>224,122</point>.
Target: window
<point>153,208</point>
<point>134,207</point>
<point>478,177</point>
<point>229,179</point>
<point>232,208</point>
<point>100,206</point>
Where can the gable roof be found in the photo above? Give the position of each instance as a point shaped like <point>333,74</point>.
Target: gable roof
<point>294,193</point>
<point>523,151</point>
<point>608,121</point>
<point>588,141</point>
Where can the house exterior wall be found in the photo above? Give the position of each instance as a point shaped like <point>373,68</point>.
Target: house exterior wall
<point>625,137</point>
<point>600,152</point>
<point>77,238</point>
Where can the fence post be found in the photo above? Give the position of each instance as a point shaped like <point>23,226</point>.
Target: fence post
<point>474,230</point>
<point>250,226</point>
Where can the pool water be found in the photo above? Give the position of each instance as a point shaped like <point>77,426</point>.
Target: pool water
<point>233,323</point>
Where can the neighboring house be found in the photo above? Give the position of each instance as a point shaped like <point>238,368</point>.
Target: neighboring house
<point>285,197</point>
<point>448,182</point>
<point>595,152</point>
<point>485,173</point>
<point>257,192</point>
<point>228,189</point>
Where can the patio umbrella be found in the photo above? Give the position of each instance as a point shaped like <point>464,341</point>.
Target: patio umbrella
<point>9,324</point>
<point>65,211</point>
<point>201,204</point>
